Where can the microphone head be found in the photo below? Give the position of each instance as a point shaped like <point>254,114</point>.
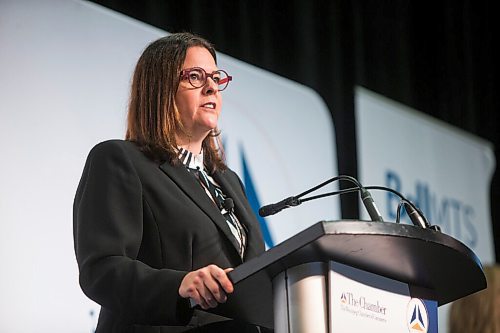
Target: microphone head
<point>415,216</point>
<point>370,206</point>
<point>228,204</point>
<point>265,211</point>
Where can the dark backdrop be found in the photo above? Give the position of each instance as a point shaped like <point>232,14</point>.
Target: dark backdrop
<point>439,59</point>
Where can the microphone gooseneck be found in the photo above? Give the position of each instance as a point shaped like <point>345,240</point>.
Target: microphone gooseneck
<point>416,216</point>
<point>295,200</point>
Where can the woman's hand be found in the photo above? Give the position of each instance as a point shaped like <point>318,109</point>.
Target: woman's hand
<point>207,286</point>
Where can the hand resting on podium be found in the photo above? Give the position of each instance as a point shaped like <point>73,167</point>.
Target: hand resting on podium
<point>207,286</point>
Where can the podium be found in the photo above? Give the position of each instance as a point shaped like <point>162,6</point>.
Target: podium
<point>289,287</point>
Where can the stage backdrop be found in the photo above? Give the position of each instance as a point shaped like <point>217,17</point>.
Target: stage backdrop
<point>445,171</point>
<point>65,72</point>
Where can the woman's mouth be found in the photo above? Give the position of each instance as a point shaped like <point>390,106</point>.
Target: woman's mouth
<point>209,105</point>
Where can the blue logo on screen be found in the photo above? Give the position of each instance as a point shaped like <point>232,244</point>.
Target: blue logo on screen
<point>254,200</point>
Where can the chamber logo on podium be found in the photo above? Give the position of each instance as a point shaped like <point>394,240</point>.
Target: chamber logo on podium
<point>417,317</point>
<point>363,306</point>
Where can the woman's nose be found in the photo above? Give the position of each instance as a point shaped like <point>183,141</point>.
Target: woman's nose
<point>210,87</point>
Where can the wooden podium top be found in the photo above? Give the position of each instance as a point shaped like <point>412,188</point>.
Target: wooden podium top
<point>427,260</point>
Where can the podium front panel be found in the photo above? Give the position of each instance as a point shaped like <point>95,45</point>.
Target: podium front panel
<point>365,302</point>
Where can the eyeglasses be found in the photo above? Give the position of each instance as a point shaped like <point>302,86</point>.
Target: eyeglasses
<point>198,77</point>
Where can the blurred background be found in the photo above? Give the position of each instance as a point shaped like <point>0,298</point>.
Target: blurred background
<point>437,58</point>
<point>394,93</point>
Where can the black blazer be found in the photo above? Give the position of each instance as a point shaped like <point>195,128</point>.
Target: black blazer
<point>140,226</point>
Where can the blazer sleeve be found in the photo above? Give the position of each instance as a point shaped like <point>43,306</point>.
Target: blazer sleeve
<point>107,227</point>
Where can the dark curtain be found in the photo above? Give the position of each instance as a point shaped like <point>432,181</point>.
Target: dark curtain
<point>439,59</point>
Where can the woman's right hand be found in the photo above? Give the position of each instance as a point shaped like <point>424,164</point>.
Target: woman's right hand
<point>207,286</point>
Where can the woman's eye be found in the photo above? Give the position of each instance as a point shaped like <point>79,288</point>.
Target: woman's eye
<point>194,76</point>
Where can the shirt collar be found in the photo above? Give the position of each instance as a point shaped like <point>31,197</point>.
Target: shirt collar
<point>191,160</point>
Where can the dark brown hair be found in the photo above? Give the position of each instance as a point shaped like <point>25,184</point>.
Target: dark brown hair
<point>153,118</point>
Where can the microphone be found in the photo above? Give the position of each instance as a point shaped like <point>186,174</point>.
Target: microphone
<point>370,206</point>
<point>416,216</point>
<point>279,206</point>
<point>228,204</point>
<point>295,200</point>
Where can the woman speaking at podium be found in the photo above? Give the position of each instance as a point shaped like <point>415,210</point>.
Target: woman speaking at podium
<point>159,218</point>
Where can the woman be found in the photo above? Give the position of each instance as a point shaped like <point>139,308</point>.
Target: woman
<point>158,218</point>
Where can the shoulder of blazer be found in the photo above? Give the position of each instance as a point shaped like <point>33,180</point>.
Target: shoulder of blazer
<point>119,150</point>
<point>115,145</point>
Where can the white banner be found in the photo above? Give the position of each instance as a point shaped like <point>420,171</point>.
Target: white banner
<point>446,172</point>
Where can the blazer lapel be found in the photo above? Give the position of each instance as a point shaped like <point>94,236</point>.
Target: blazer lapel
<point>189,185</point>
<point>244,213</point>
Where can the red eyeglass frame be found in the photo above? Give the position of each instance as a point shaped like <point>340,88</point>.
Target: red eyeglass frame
<point>184,75</point>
